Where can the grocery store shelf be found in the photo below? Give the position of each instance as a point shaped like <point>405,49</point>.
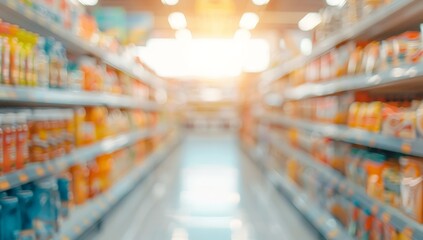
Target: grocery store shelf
<point>58,97</point>
<point>334,179</point>
<point>81,155</point>
<point>324,222</point>
<point>15,12</point>
<point>394,76</point>
<point>412,147</point>
<point>327,225</point>
<point>387,19</point>
<point>84,217</point>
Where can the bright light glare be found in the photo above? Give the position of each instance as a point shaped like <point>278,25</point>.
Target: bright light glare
<point>183,34</point>
<point>249,20</point>
<point>211,95</point>
<point>170,2</point>
<point>210,58</point>
<point>309,21</point>
<point>242,34</point>
<point>338,3</point>
<point>260,2</point>
<point>306,46</point>
<point>177,20</point>
<point>88,2</point>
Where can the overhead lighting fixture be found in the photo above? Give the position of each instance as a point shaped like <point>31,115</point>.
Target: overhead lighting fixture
<point>249,20</point>
<point>306,46</point>
<point>177,20</point>
<point>242,34</point>
<point>183,34</point>
<point>260,2</point>
<point>170,2</point>
<point>336,3</point>
<point>88,2</point>
<point>309,21</point>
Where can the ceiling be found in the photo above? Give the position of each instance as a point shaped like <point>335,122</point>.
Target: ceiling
<point>217,18</point>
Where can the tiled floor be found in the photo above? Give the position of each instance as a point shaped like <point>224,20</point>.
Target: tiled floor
<point>207,190</point>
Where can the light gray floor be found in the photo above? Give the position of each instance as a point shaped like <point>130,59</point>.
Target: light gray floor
<point>206,190</point>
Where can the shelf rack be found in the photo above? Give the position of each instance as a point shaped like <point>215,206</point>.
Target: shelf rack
<point>324,222</point>
<point>15,12</point>
<point>351,191</point>
<point>59,97</point>
<point>83,217</point>
<point>37,171</point>
<point>387,19</point>
<point>412,147</point>
<point>393,76</point>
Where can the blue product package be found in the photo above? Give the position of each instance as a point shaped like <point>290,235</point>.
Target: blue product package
<point>44,215</point>
<point>10,218</point>
<point>26,207</point>
<point>63,184</point>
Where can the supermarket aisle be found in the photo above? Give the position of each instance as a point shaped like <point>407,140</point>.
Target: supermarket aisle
<point>207,190</point>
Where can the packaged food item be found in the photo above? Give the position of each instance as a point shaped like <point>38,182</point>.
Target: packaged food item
<point>412,187</point>
<point>94,180</point>
<point>374,165</point>
<point>80,188</point>
<point>392,184</point>
<point>399,122</point>
<point>365,224</point>
<point>373,116</point>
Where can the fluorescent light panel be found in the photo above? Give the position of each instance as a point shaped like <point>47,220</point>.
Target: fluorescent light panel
<point>177,20</point>
<point>249,20</point>
<point>309,21</point>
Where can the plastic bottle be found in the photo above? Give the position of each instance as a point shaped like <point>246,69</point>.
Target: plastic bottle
<point>2,33</point>
<point>9,142</point>
<point>22,41</point>
<point>5,67</point>
<point>42,67</point>
<point>26,206</point>
<point>1,147</point>
<point>46,208</point>
<point>64,187</point>
<point>39,148</point>
<point>10,218</point>
<point>15,50</point>
<point>22,152</point>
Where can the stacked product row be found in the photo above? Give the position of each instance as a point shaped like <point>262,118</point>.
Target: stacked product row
<point>395,116</point>
<point>360,57</point>
<point>348,13</point>
<point>36,210</point>
<point>388,177</point>
<point>27,59</point>
<point>40,135</point>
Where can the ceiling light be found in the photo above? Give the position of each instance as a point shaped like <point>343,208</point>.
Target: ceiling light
<point>242,34</point>
<point>183,34</point>
<point>177,20</point>
<point>338,3</point>
<point>249,20</point>
<point>309,21</point>
<point>88,2</point>
<point>260,2</point>
<point>306,46</point>
<point>170,2</point>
